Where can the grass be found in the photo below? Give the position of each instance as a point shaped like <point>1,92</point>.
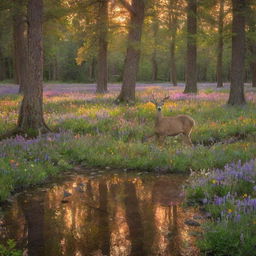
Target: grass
<point>93,131</point>
<point>96,132</point>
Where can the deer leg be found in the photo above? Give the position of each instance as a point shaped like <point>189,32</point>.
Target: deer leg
<point>187,140</point>
<point>160,139</point>
<point>148,137</point>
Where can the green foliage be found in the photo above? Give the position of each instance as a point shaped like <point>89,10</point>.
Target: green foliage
<point>232,239</point>
<point>9,249</point>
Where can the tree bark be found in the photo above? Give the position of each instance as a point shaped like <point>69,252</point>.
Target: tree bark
<point>191,63</point>
<point>253,71</point>
<point>155,27</point>
<point>92,70</point>
<point>173,25</point>
<point>102,72</point>
<point>220,46</point>
<point>31,119</point>
<point>236,96</point>
<point>20,45</point>
<point>2,66</point>
<point>252,43</point>
<point>131,65</point>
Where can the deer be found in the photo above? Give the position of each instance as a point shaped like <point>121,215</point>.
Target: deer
<point>171,126</point>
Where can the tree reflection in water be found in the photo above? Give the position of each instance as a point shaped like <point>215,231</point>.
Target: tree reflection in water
<point>113,214</point>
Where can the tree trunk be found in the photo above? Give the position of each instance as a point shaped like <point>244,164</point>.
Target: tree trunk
<point>2,66</point>
<point>131,64</point>
<point>102,72</point>
<point>191,65</point>
<point>236,96</point>
<point>252,42</point>
<point>220,46</point>
<point>253,71</point>
<point>20,45</point>
<point>155,27</point>
<point>173,24</point>
<point>92,70</point>
<point>31,119</point>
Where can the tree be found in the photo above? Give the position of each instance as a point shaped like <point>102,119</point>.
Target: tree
<point>252,41</point>
<point>220,45</point>
<point>236,95</point>
<point>173,26</point>
<point>102,72</point>
<point>31,111</point>
<point>131,65</point>
<point>155,29</point>
<point>191,62</point>
<point>20,43</point>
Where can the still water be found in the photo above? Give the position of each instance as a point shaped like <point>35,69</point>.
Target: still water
<point>101,213</point>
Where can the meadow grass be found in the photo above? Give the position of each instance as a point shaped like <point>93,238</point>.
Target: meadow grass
<point>91,130</point>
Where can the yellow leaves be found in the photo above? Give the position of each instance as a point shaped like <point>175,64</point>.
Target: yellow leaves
<point>80,56</point>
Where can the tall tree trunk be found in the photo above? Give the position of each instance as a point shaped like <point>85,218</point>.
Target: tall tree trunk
<point>220,45</point>
<point>2,66</point>
<point>173,25</point>
<point>102,72</point>
<point>131,65</point>
<point>236,96</point>
<point>252,42</point>
<point>31,112</point>
<point>253,71</point>
<point>92,70</point>
<point>20,44</point>
<point>191,63</point>
<point>155,27</point>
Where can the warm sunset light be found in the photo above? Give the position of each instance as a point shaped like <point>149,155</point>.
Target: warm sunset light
<point>127,128</point>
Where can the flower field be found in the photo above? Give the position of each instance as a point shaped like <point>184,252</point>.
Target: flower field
<point>229,198</point>
<point>91,130</point>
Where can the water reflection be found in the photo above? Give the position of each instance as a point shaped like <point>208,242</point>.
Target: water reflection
<point>112,214</point>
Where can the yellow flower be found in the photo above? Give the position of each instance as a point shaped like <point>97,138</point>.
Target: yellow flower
<point>230,210</point>
<point>214,181</point>
<point>245,195</point>
<point>254,222</point>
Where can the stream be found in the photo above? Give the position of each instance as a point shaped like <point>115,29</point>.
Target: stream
<point>101,212</point>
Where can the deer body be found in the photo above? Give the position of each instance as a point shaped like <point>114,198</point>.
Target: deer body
<point>172,126</point>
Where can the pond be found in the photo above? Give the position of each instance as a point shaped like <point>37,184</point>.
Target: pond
<point>99,213</point>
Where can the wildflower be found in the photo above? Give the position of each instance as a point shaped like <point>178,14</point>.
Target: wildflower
<point>245,195</point>
<point>205,200</point>
<point>12,161</point>
<point>214,181</point>
<point>230,211</point>
<point>254,222</point>
<point>237,218</point>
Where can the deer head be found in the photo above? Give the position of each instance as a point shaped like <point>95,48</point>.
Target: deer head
<point>159,104</point>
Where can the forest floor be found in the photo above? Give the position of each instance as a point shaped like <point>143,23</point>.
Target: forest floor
<point>90,130</point>
<point>10,88</point>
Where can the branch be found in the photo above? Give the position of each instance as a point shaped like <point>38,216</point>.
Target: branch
<point>127,6</point>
